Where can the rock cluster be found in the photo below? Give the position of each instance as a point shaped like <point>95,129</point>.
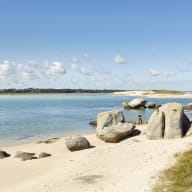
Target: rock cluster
<point>169,122</point>
<point>111,126</point>
<point>140,103</point>
<point>24,156</point>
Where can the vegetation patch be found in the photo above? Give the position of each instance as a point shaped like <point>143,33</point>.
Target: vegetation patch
<point>54,91</point>
<point>177,178</point>
<point>165,91</point>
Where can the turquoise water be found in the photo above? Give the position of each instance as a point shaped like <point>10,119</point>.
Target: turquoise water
<point>33,117</point>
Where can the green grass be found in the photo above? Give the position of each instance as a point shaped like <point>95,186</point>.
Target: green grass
<point>164,91</point>
<point>178,178</point>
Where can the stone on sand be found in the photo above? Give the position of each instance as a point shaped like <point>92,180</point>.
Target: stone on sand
<point>24,156</point>
<point>76,143</point>
<point>155,129</point>
<point>3,154</point>
<point>111,127</point>
<point>169,122</point>
<point>44,155</point>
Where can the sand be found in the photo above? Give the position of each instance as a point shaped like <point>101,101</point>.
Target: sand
<point>151,94</point>
<point>131,165</point>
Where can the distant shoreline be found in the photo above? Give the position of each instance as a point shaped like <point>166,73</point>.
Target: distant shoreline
<point>155,94</point>
<point>52,93</point>
<point>131,93</point>
<point>38,91</point>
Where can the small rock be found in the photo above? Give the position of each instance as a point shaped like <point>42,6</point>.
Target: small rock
<point>157,106</point>
<point>48,141</point>
<point>151,105</point>
<point>94,122</point>
<point>3,154</point>
<point>43,155</point>
<point>87,179</point>
<point>24,156</point>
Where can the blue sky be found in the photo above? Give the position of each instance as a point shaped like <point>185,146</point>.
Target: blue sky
<point>124,44</point>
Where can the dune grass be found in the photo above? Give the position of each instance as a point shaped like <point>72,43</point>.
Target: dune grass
<point>177,178</point>
<point>164,91</point>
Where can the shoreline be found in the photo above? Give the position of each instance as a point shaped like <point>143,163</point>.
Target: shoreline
<point>34,139</point>
<point>131,165</point>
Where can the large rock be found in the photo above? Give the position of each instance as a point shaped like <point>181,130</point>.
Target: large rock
<point>77,142</point>
<point>115,133</point>
<point>174,120</point>
<point>135,103</point>
<point>111,127</point>
<point>169,122</point>
<point>109,118</point>
<point>155,129</point>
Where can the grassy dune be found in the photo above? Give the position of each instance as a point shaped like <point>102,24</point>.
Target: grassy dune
<point>178,178</point>
<point>164,91</point>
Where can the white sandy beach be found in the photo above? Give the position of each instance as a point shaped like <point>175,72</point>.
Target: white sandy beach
<point>151,94</point>
<point>130,165</point>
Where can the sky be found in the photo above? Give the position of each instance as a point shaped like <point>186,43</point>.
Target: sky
<point>97,44</point>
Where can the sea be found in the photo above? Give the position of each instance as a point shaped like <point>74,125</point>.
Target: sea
<point>27,118</point>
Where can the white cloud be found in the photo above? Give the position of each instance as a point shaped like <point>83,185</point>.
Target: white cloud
<point>16,72</point>
<point>55,68</point>
<point>168,74</point>
<point>24,76</point>
<point>119,60</point>
<point>7,69</point>
<point>154,72</point>
<point>26,72</point>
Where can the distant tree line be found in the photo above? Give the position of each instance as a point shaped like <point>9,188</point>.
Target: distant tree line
<point>43,91</point>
